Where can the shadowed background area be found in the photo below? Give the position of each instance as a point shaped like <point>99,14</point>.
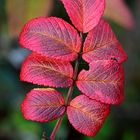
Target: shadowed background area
<point>123,122</point>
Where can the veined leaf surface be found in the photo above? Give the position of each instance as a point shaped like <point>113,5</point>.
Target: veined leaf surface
<point>104,81</point>
<point>87,115</point>
<point>48,72</point>
<point>43,105</point>
<point>84,14</point>
<point>52,37</point>
<point>102,44</point>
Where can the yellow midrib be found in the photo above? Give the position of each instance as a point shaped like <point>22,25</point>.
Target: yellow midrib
<point>56,39</point>
<point>99,47</point>
<point>49,105</point>
<point>100,81</point>
<point>88,114</point>
<point>51,69</point>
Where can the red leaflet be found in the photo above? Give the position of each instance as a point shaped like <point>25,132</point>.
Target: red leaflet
<point>84,14</point>
<point>101,44</point>
<point>44,71</point>
<point>87,115</point>
<point>52,37</point>
<point>103,82</point>
<point>43,105</point>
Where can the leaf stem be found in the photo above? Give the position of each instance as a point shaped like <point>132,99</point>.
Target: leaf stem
<point>68,98</point>
<point>69,95</point>
<point>75,74</point>
<point>56,128</point>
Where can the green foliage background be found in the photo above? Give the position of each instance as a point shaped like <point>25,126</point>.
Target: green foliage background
<point>124,120</point>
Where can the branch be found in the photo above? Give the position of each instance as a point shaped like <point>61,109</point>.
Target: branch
<point>68,98</point>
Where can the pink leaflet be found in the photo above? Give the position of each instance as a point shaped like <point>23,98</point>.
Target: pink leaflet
<point>104,81</point>
<point>52,37</point>
<point>84,14</point>
<point>86,115</point>
<point>102,44</point>
<point>48,72</point>
<point>43,105</point>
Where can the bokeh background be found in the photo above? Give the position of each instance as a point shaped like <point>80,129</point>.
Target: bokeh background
<point>123,122</point>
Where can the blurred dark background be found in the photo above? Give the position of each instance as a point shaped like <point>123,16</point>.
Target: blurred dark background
<point>123,122</point>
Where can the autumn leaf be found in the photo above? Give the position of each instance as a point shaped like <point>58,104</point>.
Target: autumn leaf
<point>43,105</point>
<point>104,81</point>
<point>87,115</point>
<point>52,37</point>
<point>102,44</point>
<point>86,14</point>
<point>44,71</point>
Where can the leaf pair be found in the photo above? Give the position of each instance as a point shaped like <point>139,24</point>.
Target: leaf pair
<point>56,39</point>
<point>103,81</point>
<point>44,105</point>
<point>55,43</point>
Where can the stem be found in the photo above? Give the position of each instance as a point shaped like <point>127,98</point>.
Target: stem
<point>56,128</point>
<point>68,98</point>
<point>75,74</point>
